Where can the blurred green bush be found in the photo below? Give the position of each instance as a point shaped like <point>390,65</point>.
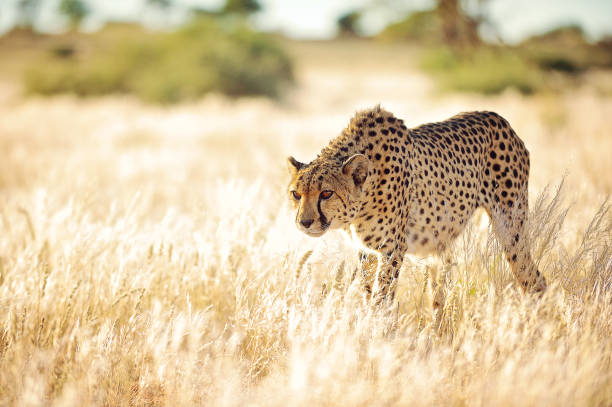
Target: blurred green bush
<point>565,49</point>
<point>487,70</point>
<point>422,26</point>
<point>538,63</point>
<point>207,55</point>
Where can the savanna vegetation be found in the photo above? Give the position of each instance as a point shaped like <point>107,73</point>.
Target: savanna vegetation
<point>548,62</point>
<point>220,52</point>
<point>148,255</point>
<point>207,55</point>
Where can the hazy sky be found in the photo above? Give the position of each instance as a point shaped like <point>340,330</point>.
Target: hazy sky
<point>514,19</point>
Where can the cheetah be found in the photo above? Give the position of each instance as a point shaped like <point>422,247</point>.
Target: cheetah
<point>398,190</point>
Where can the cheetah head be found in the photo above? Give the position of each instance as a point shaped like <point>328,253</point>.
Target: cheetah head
<point>327,195</point>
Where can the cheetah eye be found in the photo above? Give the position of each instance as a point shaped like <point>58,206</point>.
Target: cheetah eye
<point>326,194</point>
<point>296,195</point>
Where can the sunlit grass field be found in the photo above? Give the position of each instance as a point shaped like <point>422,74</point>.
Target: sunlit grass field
<point>148,256</point>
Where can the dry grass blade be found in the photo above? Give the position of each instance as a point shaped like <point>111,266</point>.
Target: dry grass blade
<point>302,263</point>
<point>28,218</point>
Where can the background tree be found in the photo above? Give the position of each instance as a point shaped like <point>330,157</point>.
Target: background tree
<point>27,11</point>
<point>161,4</point>
<point>242,7</point>
<point>347,23</point>
<point>75,10</point>
<point>158,10</point>
<point>458,28</point>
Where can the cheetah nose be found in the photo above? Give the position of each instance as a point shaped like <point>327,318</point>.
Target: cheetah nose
<point>307,223</point>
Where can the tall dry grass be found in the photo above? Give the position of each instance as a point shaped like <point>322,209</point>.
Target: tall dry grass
<point>148,257</point>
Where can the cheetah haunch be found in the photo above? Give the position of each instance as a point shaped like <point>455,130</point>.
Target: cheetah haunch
<point>400,190</point>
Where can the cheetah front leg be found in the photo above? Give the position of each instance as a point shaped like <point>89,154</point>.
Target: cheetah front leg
<point>439,277</point>
<point>387,275</point>
<point>368,263</point>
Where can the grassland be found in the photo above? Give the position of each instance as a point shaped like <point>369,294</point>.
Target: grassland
<point>148,255</point>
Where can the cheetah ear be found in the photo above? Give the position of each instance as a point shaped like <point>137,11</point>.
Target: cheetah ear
<point>294,165</point>
<point>356,167</point>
